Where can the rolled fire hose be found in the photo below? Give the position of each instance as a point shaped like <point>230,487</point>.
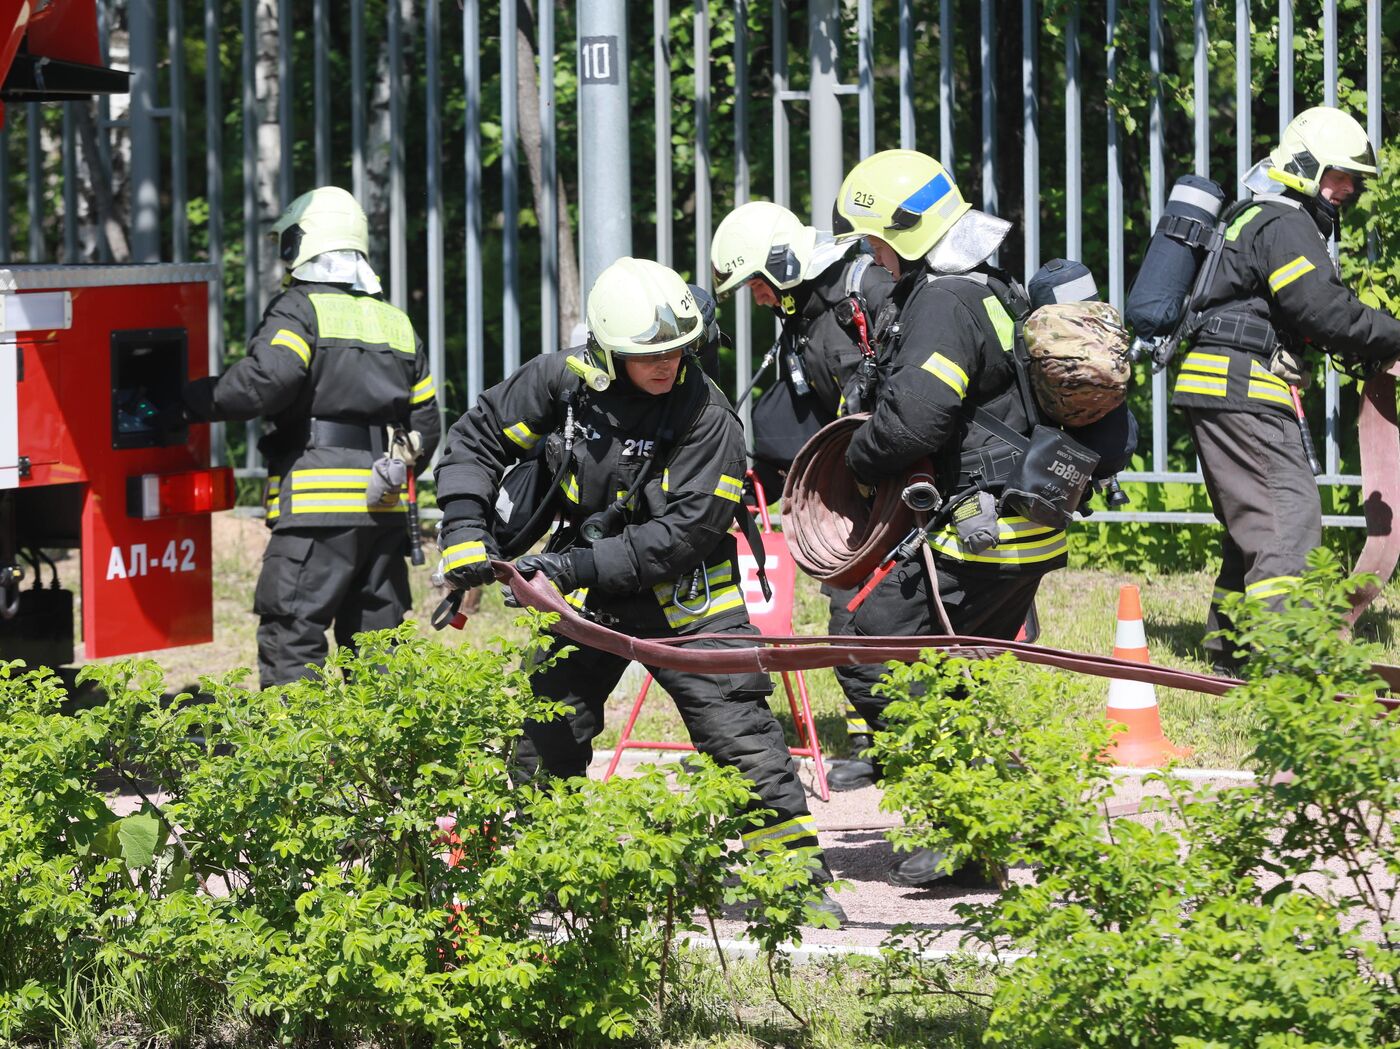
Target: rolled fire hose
<point>835,533</point>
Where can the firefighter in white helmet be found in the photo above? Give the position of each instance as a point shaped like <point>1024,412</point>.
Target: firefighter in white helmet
<point>1275,296</point>
<point>343,381</point>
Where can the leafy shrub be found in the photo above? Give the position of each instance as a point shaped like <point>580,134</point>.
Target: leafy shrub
<point>349,857</point>
<point>1215,923</point>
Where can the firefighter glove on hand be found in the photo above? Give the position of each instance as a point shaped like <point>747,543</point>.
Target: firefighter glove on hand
<point>1290,367</point>
<point>558,569</point>
<point>471,576</point>
<point>466,558</point>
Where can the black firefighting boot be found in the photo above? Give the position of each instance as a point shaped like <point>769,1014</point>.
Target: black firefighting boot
<point>826,902</point>
<point>922,867</point>
<point>856,771</point>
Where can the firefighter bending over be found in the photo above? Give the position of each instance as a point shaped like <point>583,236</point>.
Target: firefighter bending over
<point>343,379</point>
<point>1275,295</point>
<point>827,296</point>
<point>950,393</point>
<point>648,465</point>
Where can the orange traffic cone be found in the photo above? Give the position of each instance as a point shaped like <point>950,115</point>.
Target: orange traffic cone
<point>1134,703</point>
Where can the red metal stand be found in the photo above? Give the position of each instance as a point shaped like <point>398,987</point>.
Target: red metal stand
<point>772,617</point>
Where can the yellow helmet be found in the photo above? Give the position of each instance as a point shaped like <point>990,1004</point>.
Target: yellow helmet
<point>325,219</point>
<point>764,240</point>
<point>904,197</point>
<point>640,308</point>
<point>1318,139</point>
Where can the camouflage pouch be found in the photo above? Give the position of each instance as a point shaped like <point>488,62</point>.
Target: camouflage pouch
<point>1078,360</point>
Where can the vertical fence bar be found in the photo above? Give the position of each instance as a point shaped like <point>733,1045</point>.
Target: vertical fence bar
<point>1030,135</point>
<point>398,210</point>
<point>782,185</point>
<point>1329,52</point>
<point>1373,96</point>
<point>1285,64</point>
<point>906,74</point>
<point>987,45</point>
<point>702,146</point>
<point>1243,122</point>
<point>865,64</point>
<point>1332,453</point>
<point>471,179</point>
<point>104,142</point>
<point>432,120</point>
<point>1074,142</point>
<point>743,307</point>
<point>145,140</point>
<point>824,158</point>
<point>946,79</point>
<point>661,86</point>
<point>357,100</point>
<point>322,91</point>
<point>179,126</point>
<point>252,307</point>
<point>1157,199</point>
<point>214,193</point>
<point>1115,170</point>
<point>549,176</point>
<point>510,191</point>
<point>70,186</point>
<point>1201,91</point>
<point>286,181</point>
<point>34,166</point>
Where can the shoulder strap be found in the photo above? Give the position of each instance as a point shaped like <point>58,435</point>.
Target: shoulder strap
<point>855,273</point>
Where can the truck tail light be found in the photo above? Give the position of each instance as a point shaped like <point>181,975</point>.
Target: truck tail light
<point>187,492</point>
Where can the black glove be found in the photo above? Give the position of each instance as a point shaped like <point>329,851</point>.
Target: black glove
<point>471,576</point>
<point>558,569</point>
<point>172,419</point>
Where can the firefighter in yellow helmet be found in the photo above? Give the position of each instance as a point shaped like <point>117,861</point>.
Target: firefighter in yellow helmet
<point>1275,296</point>
<point>343,380</point>
<point>951,394</point>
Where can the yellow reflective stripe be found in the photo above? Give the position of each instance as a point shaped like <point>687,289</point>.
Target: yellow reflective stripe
<point>666,479</point>
<point>522,435</point>
<point>1287,274</point>
<point>1032,552</point>
<point>1021,528</point>
<point>293,342</point>
<point>352,479</point>
<point>731,488</point>
<point>1202,384</point>
<point>1260,392</point>
<point>358,318</point>
<point>1272,587</point>
<point>335,503</point>
<point>1241,221</point>
<point>569,484</point>
<point>1219,594</point>
<point>578,597</point>
<point>272,495</point>
<point>724,599</point>
<point>332,471</point>
<point>941,367</point>
<point>781,833</point>
<point>1001,321</point>
<point>1215,363</point>
<point>857,727</point>
<point>460,554</point>
<point>1258,373</point>
<point>425,390</point>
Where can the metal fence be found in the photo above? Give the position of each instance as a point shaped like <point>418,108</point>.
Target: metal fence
<point>828,68</point>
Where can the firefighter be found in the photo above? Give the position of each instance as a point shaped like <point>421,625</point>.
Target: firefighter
<point>649,475</point>
<point>826,296</point>
<point>1275,295</point>
<point>951,385</point>
<point>343,379</point>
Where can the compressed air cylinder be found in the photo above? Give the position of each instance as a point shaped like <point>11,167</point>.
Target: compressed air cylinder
<point>1174,255</point>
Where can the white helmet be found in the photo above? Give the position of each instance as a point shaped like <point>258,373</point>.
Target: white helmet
<point>325,219</point>
<point>640,308</point>
<point>764,240</point>
<point>1318,139</point>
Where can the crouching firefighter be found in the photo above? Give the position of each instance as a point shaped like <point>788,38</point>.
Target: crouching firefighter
<point>343,379</point>
<point>827,296</point>
<point>954,393</point>
<point>646,468</point>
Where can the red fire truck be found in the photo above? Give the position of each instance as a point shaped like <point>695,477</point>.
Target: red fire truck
<point>90,358</point>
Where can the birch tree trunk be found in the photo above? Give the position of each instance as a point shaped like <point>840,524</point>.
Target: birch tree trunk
<point>269,138</point>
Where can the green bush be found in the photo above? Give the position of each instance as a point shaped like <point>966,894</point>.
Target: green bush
<point>1213,923</point>
<point>348,857</point>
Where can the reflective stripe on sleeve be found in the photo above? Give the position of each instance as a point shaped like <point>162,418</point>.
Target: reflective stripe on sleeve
<point>424,390</point>
<point>460,554</point>
<point>1287,274</point>
<point>940,367</point>
<point>522,435</point>
<point>731,488</point>
<point>295,343</point>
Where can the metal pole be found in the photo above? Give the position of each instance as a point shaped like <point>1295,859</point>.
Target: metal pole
<point>1201,93</point>
<point>945,85</point>
<point>70,186</point>
<point>703,220</point>
<point>322,88</point>
<point>990,202</point>
<point>1242,91</point>
<point>214,192</point>
<point>1074,142</point>
<point>906,74</point>
<point>437,325</point>
<point>1115,173</point>
<point>286,92</point>
<point>1156,201</point>
<point>743,307</point>
<point>549,163</point>
<point>252,292</point>
<point>510,191</point>
<point>357,98</point>
<point>661,87</point>
<point>103,159</point>
<point>604,139</point>
<point>471,162</point>
<point>145,140</point>
<point>1329,52</point>
<point>1285,63</point>
<point>824,108</point>
<point>398,211</point>
<point>35,169</point>
<point>1332,455</point>
<point>782,187</point>
<point>865,30</point>
<point>1030,118</point>
<point>1373,95</point>
<point>179,189</point>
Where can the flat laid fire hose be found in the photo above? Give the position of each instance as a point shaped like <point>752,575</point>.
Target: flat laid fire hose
<point>1380,486</point>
